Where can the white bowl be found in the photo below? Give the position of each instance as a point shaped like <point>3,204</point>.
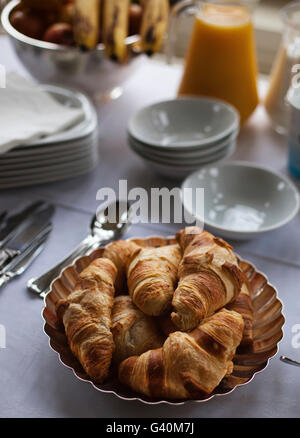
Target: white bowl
<point>179,171</point>
<point>226,151</point>
<point>195,155</point>
<point>186,150</point>
<point>184,122</point>
<point>242,200</point>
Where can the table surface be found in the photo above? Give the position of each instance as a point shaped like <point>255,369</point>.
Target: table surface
<point>32,380</point>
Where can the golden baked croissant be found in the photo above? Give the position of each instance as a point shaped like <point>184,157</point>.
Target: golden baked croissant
<point>152,278</point>
<point>243,305</point>
<point>189,365</point>
<point>209,277</point>
<point>86,315</point>
<point>166,325</point>
<point>119,253</point>
<point>133,331</point>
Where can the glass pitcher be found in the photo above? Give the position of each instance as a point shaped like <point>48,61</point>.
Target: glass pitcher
<point>285,67</point>
<point>221,57</point>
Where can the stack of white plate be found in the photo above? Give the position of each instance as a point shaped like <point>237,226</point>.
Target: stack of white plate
<point>61,156</point>
<point>177,137</point>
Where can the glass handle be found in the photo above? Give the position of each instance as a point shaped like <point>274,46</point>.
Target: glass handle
<point>176,11</point>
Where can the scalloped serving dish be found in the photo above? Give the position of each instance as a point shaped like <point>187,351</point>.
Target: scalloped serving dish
<point>268,321</point>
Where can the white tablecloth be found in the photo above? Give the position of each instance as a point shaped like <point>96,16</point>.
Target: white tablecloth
<point>33,383</point>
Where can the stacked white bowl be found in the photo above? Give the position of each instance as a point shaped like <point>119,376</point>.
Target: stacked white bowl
<point>177,137</point>
<point>70,153</point>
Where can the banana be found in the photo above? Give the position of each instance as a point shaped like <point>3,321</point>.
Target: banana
<point>154,25</point>
<point>38,5</point>
<point>87,23</point>
<point>115,28</point>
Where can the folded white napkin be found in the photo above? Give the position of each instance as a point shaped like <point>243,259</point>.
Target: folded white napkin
<point>28,113</point>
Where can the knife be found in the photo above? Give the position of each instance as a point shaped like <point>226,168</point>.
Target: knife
<point>11,265</point>
<point>14,223</point>
<point>21,263</point>
<point>22,240</point>
<point>2,217</point>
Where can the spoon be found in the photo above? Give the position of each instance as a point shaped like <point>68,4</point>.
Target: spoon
<point>108,224</point>
<point>289,361</point>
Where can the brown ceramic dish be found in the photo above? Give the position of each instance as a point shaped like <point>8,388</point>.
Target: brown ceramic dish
<point>267,327</point>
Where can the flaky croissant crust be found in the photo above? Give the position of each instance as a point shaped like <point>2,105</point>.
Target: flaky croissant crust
<point>134,332</point>
<point>209,278</point>
<point>86,315</point>
<point>152,277</point>
<point>186,365</point>
<point>119,253</point>
<point>189,365</point>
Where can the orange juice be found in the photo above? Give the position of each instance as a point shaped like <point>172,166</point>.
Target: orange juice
<point>221,59</point>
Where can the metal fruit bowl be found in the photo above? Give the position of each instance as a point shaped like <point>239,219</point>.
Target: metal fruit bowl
<point>52,63</point>
<point>248,361</point>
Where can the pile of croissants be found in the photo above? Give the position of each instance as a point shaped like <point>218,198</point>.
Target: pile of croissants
<point>169,318</point>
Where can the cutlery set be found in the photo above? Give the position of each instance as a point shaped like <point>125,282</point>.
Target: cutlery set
<point>22,238</point>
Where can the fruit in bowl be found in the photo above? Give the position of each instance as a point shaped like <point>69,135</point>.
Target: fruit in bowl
<point>48,5</point>
<point>87,23</point>
<point>28,23</point>
<point>63,42</point>
<point>60,33</point>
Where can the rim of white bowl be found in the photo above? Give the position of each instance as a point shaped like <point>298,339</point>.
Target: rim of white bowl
<point>14,33</point>
<point>234,126</point>
<point>188,149</point>
<point>217,148</point>
<point>248,164</point>
<point>205,161</point>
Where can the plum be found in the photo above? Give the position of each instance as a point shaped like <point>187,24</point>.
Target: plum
<point>60,33</point>
<point>27,23</point>
<point>135,19</point>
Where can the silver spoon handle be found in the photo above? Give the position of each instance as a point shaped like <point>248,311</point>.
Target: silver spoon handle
<point>290,361</point>
<point>4,279</point>
<point>42,284</point>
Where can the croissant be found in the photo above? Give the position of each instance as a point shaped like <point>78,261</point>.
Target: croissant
<point>166,325</point>
<point>86,315</point>
<point>189,365</point>
<point>209,277</point>
<point>119,253</point>
<point>152,278</point>
<point>133,331</point>
<point>243,305</point>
